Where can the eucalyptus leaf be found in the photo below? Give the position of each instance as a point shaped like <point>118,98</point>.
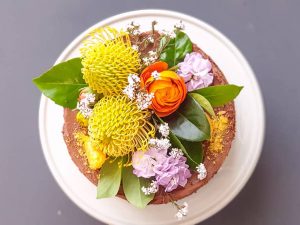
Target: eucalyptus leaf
<point>175,51</point>
<point>203,102</point>
<point>132,186</point>
<point>110,178</point>
<point>220,94</point>
<point>62,83</point>
<point>189,121</point>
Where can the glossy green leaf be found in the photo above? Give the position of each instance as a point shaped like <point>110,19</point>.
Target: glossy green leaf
<point>175,51</point>
<point>62,83</point>
<point>219,95</point>
<point>177,143</point>
<point>195,152</point>
<point>203,102</point>
<point>132,186</point>
<point>189,121</point>
<point>192,150</point>
<point>110,178</point>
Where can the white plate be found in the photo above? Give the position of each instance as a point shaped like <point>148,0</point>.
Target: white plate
<point>234,173</point>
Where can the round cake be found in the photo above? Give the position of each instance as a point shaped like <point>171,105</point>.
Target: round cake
<point>148,116</point>
<point>212,159</point>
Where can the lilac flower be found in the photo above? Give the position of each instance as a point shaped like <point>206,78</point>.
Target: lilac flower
<point>172,172</point>
<point>195,71</point>
<point>144,162</point>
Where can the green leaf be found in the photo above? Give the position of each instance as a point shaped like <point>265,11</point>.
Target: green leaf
<point>176,49</point>
<point>189,121</point>
<point>203,102</point>
<point>219,95</point>
<point>195,152</point>
<point>110,178</point>
<point>62,83</point>
<point>132,186</point>
<point>192,150</point>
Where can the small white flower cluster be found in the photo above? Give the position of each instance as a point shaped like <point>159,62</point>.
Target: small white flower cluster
<point>170,34</point>
<point>164,129</point>
<point>84,104</point>
<point>144,100</point>
<point>176,153</point>
<point>155,75</point>
<point>132,90</point>
<point>162,143</point>
<point>179,25</point>
<point>153,188</point>
<point>150,58</point>
<point>133,86</point>
<point>182,211</point>
<point>150,39</point>
<point>202,173</point>
<point>133,28</point>
<point>135,47</point>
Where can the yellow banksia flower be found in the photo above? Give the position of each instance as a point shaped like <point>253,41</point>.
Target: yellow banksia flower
<point>108,59</point>
<point>118,127</point>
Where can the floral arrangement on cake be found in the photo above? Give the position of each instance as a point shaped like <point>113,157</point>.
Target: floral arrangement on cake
<point>145,114</point>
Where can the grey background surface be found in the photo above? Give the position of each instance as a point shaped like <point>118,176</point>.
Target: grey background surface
<point>34,33</point>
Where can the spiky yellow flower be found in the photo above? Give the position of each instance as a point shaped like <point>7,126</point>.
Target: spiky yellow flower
<point>108,59</point>
<point>118,127</point>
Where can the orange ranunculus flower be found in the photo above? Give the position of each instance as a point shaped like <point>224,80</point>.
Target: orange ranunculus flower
<point>169,88</point>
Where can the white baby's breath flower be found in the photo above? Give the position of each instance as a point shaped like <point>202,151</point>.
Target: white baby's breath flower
<point>129,27</point>
<point>84,105</point>
<point>136,32</point>
<point>179,25</point>
<point>146,61</point>
<point>182,211</point>
<point>176,153</point>
<point>90,97</point>
<point>133,86</point>
<point>144,100</point>
<point>202,172</point>
<point>155,75</point>
<point>162,143</point>
<point>129,90</point>
<point>134,23</point>
<point>163,128</point>
<point>153,188</point>
<point>135,47</point>
<point>170,34</point>
<point>133,80</point>
<point>150,39</point>
<point>152,53</point>
<point>133,28</point>
<point>152,59</point>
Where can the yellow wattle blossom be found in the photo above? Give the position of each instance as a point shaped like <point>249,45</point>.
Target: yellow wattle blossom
<point>94,155</point>
<point>108,59</point>
<point>218,128</point>
<point>118,127</point>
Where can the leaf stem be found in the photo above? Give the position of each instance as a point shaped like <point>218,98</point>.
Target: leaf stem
<point>174,68</point>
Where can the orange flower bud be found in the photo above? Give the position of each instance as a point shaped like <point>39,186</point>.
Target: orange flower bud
<point>169,89</point>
